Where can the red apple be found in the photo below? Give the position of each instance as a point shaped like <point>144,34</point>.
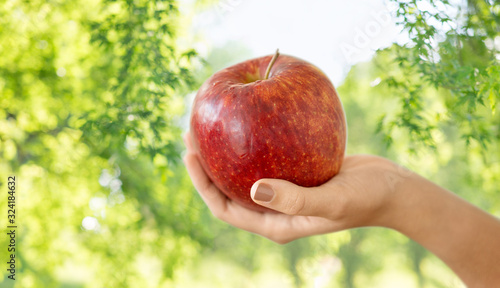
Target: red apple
<point>288,124</point>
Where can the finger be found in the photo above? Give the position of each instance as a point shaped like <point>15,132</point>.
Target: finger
<point>277,227</point>
<point>291,199</point>
<point>187,141</point>
<point>313,225</point>
<point>200,179</point>
<point>220,206</point>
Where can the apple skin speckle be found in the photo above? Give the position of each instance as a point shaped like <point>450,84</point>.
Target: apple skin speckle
<point>290,126</point>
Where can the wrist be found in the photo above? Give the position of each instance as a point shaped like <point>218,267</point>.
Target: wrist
<point>405,199</point>
<point>460,234</point>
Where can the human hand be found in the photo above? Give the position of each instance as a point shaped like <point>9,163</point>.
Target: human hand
<point>359,195</point>
<point>368,191</point>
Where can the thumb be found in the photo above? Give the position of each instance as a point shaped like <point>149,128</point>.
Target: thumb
<point>288,198</point>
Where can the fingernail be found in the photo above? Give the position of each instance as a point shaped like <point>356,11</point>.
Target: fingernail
<point>264,193</point>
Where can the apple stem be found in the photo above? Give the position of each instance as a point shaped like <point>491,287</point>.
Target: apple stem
<point>272,63</point>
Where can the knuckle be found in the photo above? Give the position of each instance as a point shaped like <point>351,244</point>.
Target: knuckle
<point>295,204</point>
<point>277,235</point>
<point>217,214</point>
<point>282,242</point>
<point>280,239</point>
<point>340,207</point>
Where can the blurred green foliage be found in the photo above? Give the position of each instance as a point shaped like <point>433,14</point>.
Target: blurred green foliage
<point>454,52</point>
<point>92,95</point>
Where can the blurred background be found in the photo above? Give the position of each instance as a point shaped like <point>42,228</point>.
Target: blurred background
<point>95,95</point>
